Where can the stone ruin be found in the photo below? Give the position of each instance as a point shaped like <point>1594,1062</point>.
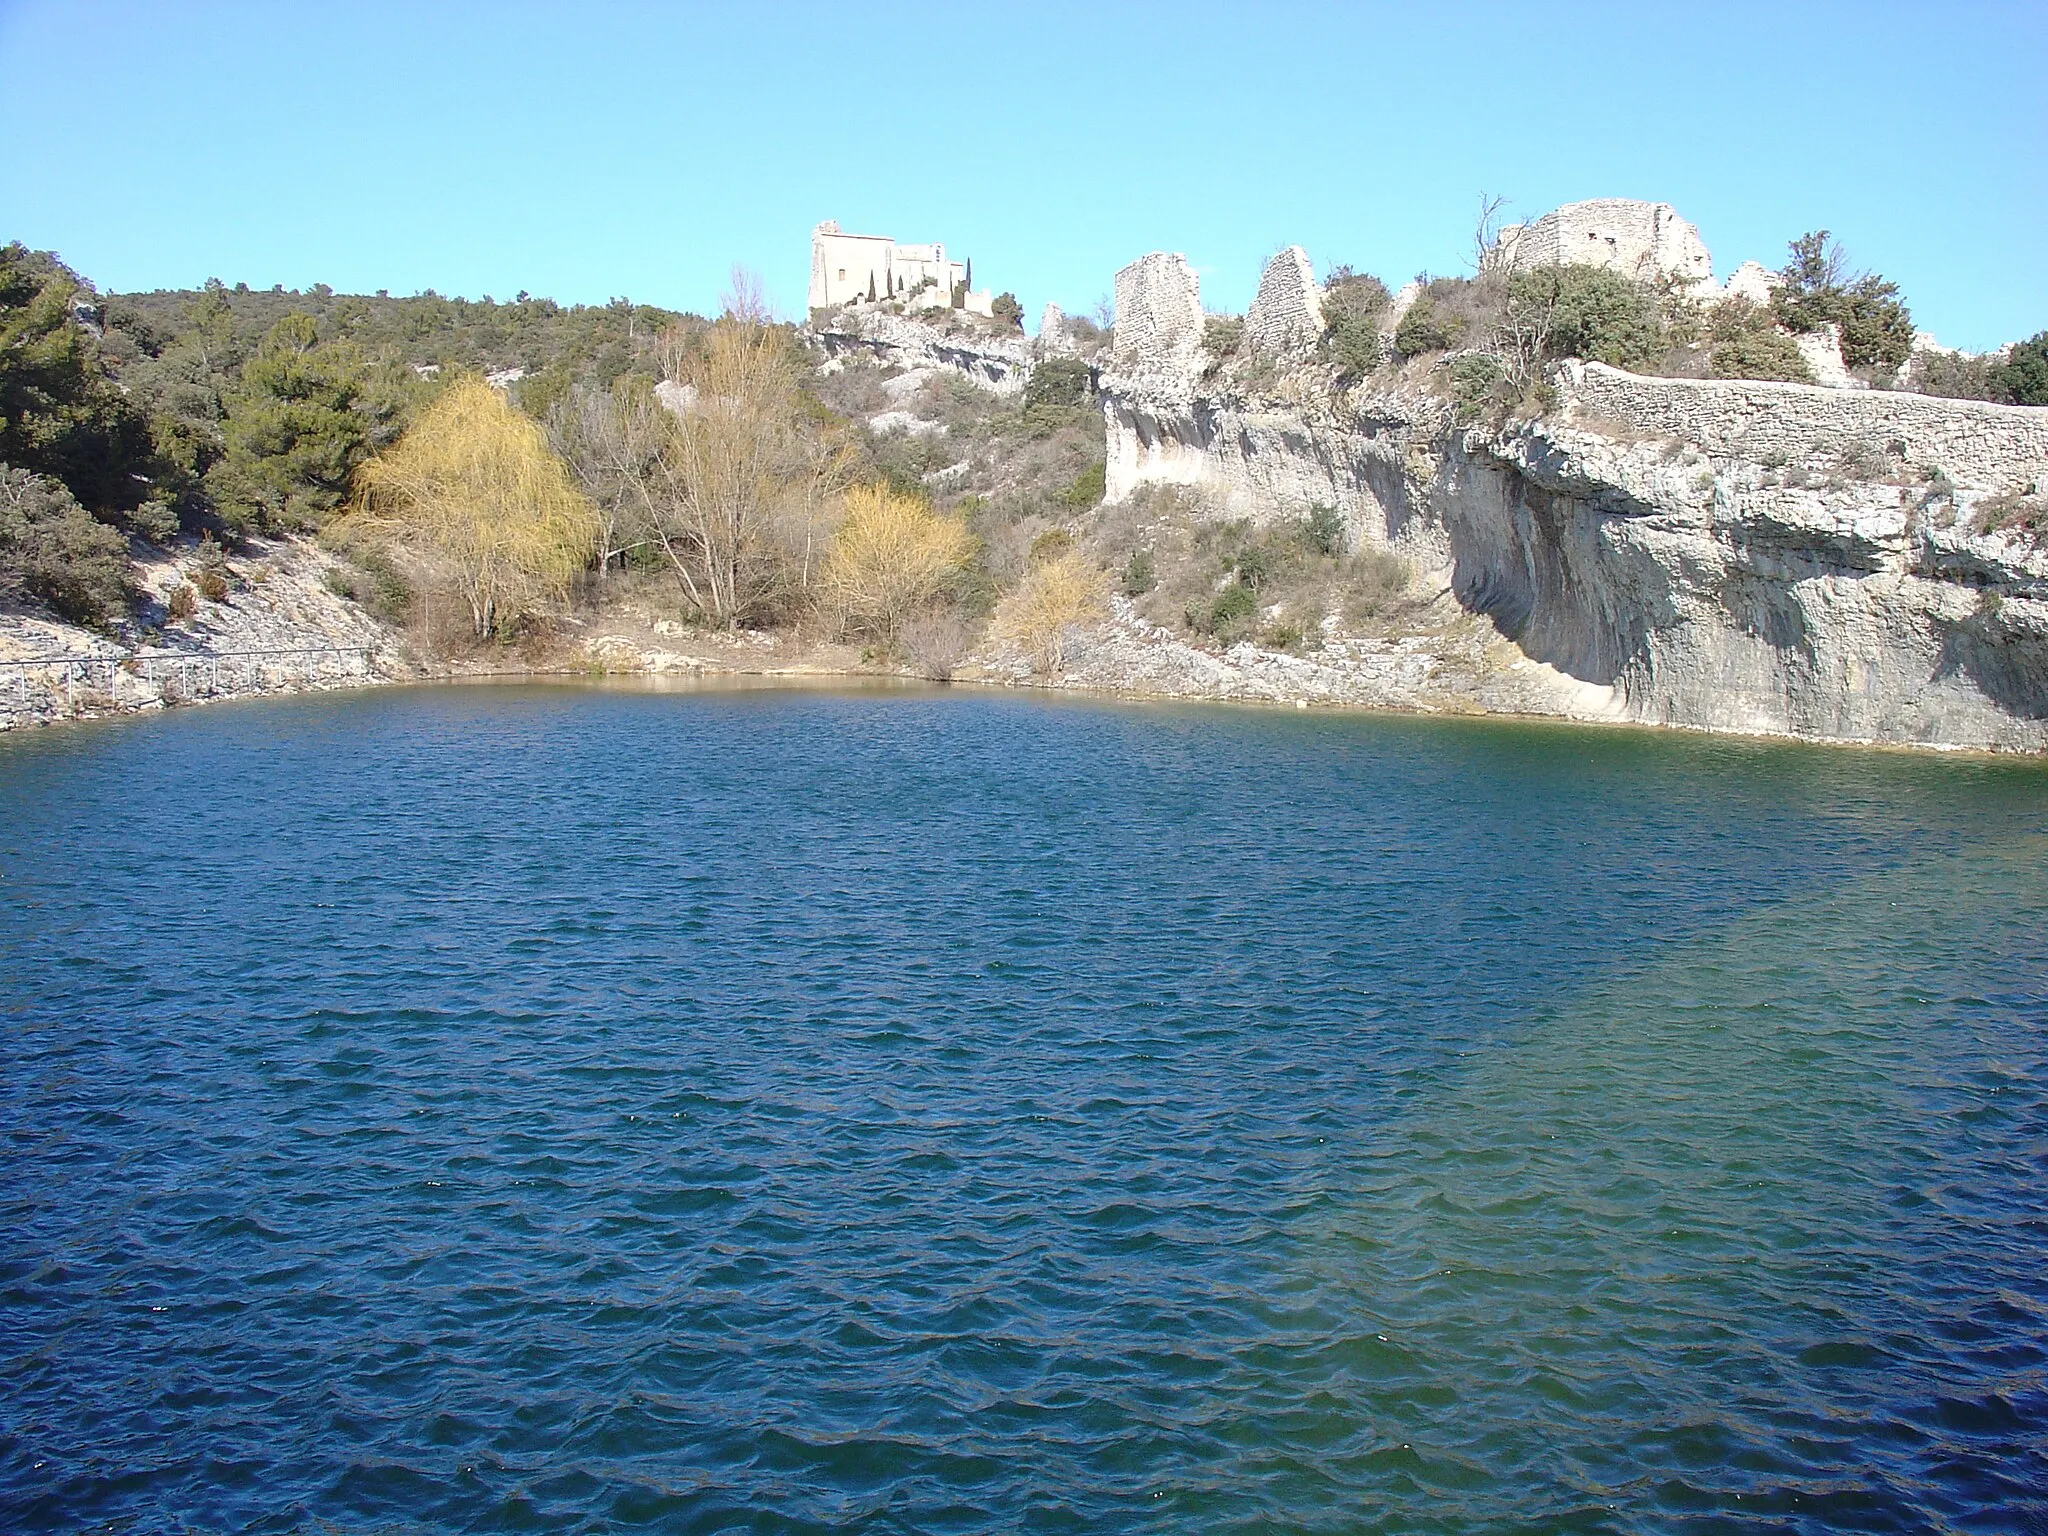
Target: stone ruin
<point>1054,339</point>
<point>1159,314</point>
<point>1286,317</point>
<point>1640,240</point>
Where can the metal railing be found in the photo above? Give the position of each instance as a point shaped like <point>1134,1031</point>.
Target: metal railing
<point>193,673</point>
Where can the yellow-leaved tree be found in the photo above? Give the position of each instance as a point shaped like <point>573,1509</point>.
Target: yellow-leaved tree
<point>473,492</point>
<point>1057,596</point>
<point>891,557</point>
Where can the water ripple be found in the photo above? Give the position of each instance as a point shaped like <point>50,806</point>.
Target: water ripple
<point>571,1109</point>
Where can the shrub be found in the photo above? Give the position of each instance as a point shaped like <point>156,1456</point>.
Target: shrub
<point>1087,488</point>
<point>1061,382</point>
<point>1222,335</point>
<point>1323,530</point>
<point>181,602</point>
<point>52,548</point>
<point>1744,343</point>
<point>1475,378</point>
<point>1877,328</point>
<point>1958,378</point>
<point>1054,598</point>
<point>935,642</point>
<point>212,583</point>
<point>1424,328</point>
<point>2023,377</point>
<point>1587,312</point>
<point>1051,544</point>
<point>1353,303</point>
<point>367,577</point>
<point>1229,614</point>
<point>1376,583</point>
<point>1056,395</point>
<point>1006,309</point>
<point>892,557</point>
<point>1141,573</point>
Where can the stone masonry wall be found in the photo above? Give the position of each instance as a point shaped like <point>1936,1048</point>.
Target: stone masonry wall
<point>1974,443</point>
<point>1286,317</point>
<point>1158,313</point>
<point>1634,238</point>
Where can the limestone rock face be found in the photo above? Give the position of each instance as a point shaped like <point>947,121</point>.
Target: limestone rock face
<point>1286,317</point>
<point>1159,315</point>
<point>1725,554</point>
<point>1644,240</point>
<point>999,363</point>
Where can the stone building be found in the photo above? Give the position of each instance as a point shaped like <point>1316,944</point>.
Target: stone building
<point>864,269</point>
<point>1641,240</point>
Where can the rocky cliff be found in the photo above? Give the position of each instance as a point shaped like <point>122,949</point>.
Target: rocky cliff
<point>1773,558</point>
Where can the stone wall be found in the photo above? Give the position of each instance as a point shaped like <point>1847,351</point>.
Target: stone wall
<point>1636,239</point>
<point>1158,314</point>
<point>1286,317</point>
<point>1974,443</point>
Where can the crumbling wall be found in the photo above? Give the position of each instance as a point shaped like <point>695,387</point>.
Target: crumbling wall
<point>1637,239</point>
<point>1158,314</point>
<point>1286,317</point>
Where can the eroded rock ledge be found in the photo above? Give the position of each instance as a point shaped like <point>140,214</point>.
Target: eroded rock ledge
<point>1771,558</point>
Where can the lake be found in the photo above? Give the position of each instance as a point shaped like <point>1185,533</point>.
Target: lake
<point>574,1108</point>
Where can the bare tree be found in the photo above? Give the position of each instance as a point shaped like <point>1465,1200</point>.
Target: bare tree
<point>722,467</point>
<point>1486,229</point>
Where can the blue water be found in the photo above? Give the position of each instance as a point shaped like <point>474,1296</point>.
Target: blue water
<point>510,1108</point>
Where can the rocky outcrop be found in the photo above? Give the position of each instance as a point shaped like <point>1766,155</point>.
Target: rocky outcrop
<point>998,363</point>
<point>275,626</point>
<point>1054,338</point>
<point>1772,558</point>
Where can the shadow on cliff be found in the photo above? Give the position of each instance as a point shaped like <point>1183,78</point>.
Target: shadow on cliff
<point>2008,662</point>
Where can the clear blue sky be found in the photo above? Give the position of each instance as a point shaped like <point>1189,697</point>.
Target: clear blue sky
<point>595,149</point>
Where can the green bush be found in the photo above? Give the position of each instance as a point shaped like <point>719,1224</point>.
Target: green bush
<point>1425,328</point>
<point>1059,381</point>
<point>1877,328</point>
<point>1323,530</point>
<point>1056,395</point>
<point>1353,303</point>
<point>62,413</point>
<point>1475,380</point>
<point>1959,378</point>
<point>2023,377</point>
<point>1229,615</point>
<point>1087,488</point>
<point>1222,335</point>
<point>1008,310</point>
<point>52,548</point>
<point>1141,573</point>
<point>1743,342</point>
<point>1587,312</point>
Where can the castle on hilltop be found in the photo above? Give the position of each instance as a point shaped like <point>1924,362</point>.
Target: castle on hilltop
<point>871,269</point>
